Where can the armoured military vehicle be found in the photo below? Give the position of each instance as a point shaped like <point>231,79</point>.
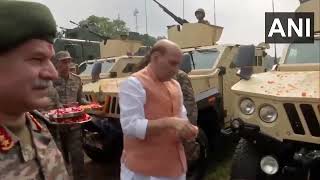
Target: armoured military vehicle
<point>277,114</point>
<point>212,71</point>
<point>82,50</point>
<point>113,67</point>
<point>95,45</point>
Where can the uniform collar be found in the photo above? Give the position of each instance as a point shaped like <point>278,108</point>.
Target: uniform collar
<point>8,139</point>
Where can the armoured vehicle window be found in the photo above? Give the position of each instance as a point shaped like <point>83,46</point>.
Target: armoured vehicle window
<point>245,56</point>
<point>129,68</point>
<point>303,53</point>
<point>205,59</point>
<point>106,66</point>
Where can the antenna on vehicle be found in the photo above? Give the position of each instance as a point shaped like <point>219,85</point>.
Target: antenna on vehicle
<point>214,12</point>
<point>275,44</point>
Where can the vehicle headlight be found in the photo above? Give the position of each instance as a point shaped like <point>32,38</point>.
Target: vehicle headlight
<point>269,165</point>
<point>247,106</point>
<point>268,114</point>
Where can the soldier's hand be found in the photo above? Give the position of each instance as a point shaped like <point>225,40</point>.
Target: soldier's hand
<point>185,130</point>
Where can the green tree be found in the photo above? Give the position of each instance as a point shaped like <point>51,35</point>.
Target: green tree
<point>114,28</point>
<point>105,26</point>
<point>148,40</point>
<point>145,38</point>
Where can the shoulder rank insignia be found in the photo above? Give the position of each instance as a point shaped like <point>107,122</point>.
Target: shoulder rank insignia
<point>34,122</point>
<point>6,142</point>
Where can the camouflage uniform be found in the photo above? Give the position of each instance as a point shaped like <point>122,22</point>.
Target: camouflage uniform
<point>188,96</point>
<point>70,91</point>
<point>192,149</point>
<point>27,150</point>
<point>54,104</point>
<point>55,99</point>
<point>30,155</point>
<point>74,68</point>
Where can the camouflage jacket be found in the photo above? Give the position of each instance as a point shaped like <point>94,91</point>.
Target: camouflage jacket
<point>188,96</point>
<point>40,160</point>
<point>70,90</point>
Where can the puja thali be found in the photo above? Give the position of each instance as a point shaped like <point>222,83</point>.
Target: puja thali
<point>71,115</point>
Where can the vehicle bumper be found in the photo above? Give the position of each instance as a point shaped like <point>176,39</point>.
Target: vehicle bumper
<point>293,156</point>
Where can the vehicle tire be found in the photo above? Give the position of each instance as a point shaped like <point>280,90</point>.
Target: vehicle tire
<point>246,162</point>
<point>102,145</point>
<point>197,168</point>
<point>207,121</point>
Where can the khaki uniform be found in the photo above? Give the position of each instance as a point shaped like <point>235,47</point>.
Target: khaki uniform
<point>30,154</point>
<point>70,91</point>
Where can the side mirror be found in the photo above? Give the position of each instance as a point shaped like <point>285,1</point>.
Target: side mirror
<point>186,65</point>
<point>245,72</point>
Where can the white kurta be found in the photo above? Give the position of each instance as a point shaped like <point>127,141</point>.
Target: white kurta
<point>132,98</point>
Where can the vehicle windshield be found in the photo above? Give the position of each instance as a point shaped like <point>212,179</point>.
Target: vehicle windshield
<point>205,59</point>
<point>303,53</point>
<point>106,66</point>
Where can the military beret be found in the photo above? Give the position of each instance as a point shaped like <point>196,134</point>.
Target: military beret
<point>21,21</point>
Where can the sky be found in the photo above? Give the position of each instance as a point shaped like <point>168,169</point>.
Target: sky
<point>243,20</point>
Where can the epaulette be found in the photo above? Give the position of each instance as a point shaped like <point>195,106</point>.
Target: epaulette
<point>6,142</point>
<point>34,122</point>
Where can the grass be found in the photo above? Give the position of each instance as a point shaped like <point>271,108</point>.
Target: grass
<point>222,172</point>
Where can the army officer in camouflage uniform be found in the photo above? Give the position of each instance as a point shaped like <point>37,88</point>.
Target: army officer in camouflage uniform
<point>69,88</point>
<point>68,85</point>
<point>27,150</point>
